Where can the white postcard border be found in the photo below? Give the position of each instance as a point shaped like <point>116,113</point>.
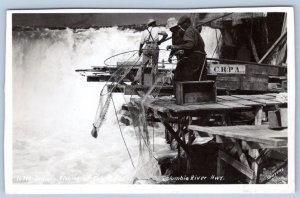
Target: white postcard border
<point>11,188</point>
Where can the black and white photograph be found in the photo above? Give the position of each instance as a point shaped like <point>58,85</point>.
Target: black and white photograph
<point>150,101</point>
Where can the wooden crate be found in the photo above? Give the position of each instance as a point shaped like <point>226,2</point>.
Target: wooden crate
<point>254,82</point>
<point>228,81</point>
<point>278,118</point>
<point>265,70</point>
<point>242,77</point>
<point>195,92</point>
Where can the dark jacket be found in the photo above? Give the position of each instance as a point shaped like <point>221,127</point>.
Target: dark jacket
<point>190,67</point>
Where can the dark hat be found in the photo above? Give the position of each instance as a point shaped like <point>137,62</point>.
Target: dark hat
<point>183,19</point>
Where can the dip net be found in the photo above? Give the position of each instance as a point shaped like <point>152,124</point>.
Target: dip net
<point>147,167</point>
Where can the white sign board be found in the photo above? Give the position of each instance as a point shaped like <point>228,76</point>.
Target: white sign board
<point>226,69</point>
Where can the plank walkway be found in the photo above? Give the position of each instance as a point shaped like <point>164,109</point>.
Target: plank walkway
<point>224,103</point>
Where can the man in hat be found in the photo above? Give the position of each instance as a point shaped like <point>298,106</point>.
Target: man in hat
<point>192,66</point>
<point>150,38</point>
<point>176,37</point>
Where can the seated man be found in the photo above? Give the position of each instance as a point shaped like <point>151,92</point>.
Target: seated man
<point>150,38</point>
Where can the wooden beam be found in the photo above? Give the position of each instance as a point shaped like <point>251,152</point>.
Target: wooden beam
<point>282,52</point>
<point>236,164</point>
<point>253,48</point>
<point>254,145</point>
<point>241,154</point>
<point>282,36</point>
<point>176,137</point>
<point>284,23</point>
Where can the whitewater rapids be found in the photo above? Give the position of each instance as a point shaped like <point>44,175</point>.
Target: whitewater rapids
<point>54,108</point>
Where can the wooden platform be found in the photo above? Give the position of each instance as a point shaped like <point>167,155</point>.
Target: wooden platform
<point>252,133</point>
<point>224,103</point>
<point>242,138</point>
<point>248,140</point>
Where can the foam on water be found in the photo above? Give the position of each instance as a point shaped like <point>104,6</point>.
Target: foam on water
<point>54,108</point>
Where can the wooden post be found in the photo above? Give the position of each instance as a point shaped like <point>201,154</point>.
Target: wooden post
<point>189,160</point>
<point>220,162</point>
<point>254,153</point>
<point>258,116</point>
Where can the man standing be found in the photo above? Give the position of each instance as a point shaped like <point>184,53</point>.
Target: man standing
<point>176,37</point>
<point>192,66</point>
<point>150,38</point>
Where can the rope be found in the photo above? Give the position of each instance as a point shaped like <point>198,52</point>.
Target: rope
<point>217,47</point>
<point>118,55</point>
<point>136,51</point>
<point>122,132</point>
<point>203,65</point>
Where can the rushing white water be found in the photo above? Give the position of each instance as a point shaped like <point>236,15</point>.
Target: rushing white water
<point>54,108</point>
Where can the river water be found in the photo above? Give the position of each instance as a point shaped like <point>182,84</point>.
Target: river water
<point>54,108</point>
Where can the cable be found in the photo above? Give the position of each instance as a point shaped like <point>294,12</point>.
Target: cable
<point>122,132</point>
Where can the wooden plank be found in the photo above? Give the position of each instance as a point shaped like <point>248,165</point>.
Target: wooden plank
<point>267,101</point>
<point>233,105</point>
<point>263,96</point>
<point>132,90</point>
<point>246,145</point>
<point>260,134</point>
<point>245,97</point>
<point>230,98</point>
<point>280,78</point>
<point>271,94</point>
<point>224,103</point>
<point>167,105</point>
<point>262,99</point>
<point>248,102</point>
<point>238,100</point>
<point>236,164</point>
